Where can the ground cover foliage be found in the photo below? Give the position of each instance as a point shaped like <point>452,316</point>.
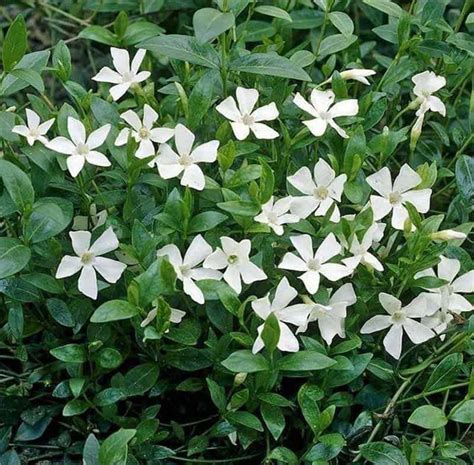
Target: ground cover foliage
<point>236,231</point>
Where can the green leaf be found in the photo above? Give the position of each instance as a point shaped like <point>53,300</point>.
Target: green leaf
<point>209,23</point>
<point>381,453</point>
<point>269,64</point>
<point>201,97</point>
<point>61,313</point>
<point>205,221</point>
<point>463,412</point>
<point>267,182</point>
<point>328,448</point>
<point>184,48</point>
<point>75,407</point>
<point>114,450</point>
<point>140,379</point>
<point>14,256</point>
<point>465,177</point>
<point>30,76</point>
<point>15,43</point>
<point>99,34</point>
<point>62,61</point>
<point>49,217</point>
<point>273,11</point>
<point>305,360</point>
<point>284,455</point>
<point>217,394</point>
<point>303,58</point>
<point>342,22</point>
<point>271,332</point>
<point>386,6</point>
<point>274,419</point>
<point>244,361</point>
<point>35,61</point>
<point>428,417</point>
<point>70,353</point>
<point>17,184</point>
<point>246,419</point>
<point>240,207</point>
<point>335,43</point>
<point>445,372</point>
<point>114,310</point>
<point>90,453</point>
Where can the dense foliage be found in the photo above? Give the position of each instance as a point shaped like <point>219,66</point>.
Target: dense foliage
<point>236,231</point>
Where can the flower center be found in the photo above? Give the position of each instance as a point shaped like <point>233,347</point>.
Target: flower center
<point>185,271</point>
<point>232,259</point>
<point>87,258</point>
<point>320,193</point>
<point>317,312</point>
<point>394,198</point>
<point>324,115</point>
<point>185,160</point>
<point>398,317</point>
<point>313,264</point>
<point>144,133</point>
<point>34,133</point>
<point>128,76</point>
<point>247,119</point>
<point>272,217</point>
<point>82,149</point>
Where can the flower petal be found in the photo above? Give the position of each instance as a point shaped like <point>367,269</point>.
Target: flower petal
<point>97,138</point>
<point>197,252</point>
<point>241,131</point>
<point>288,341</point>
<point>311,281</point>
<point>251,272</point>
<point>266,113</point>
<point>390,303</point>
<point>88,282</point>
<point>75,163</point>
<point>381,207</point>
<point>173,254</point>
<point>304,245</point>
<point>217,260</point>
<point>416,331</point>
<point>419,198</point>
<point>334,271</point>
<point>119,90</point>
<point>97,159</point>
<point>381,182</point>
<point>205,153</point>
<point>61,145</point>
<point>228,109</point>
<point>76,130</point>
<point>291,262</point>
<point>262,131</point>
<point>284,294</point>
<point>161,135</point>
<point>375,324</point>
<point>303,181</point>
<point>348,107</point>
<point>465,283</point>
<point>184,139</point>
<point>108,75</point>
<point>232,278</point>
<point>329,248</point>
<point>246,99</point>
<point>393,341</point>
<point>145,149</point>
<point>448,268</point>
<point>149,116</point>
<point>109,269</point>
<point>300,102</point>
<point>407,179</point>
<point>262,307</point>
<point>322,100</point>
<point>121,59</point>
<point>193,177</point>
<point>69,266</point>
<point>137,60</point>
<point>105,243</point>
<point>317,126</point>
<point>323,173</point>
<point>190,288</point>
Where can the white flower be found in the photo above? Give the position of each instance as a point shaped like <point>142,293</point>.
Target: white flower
<point>399,319</point>
<point>356,74</point>
<point>89,260</point>
<point>234,258</point>
<point>448,235</point>
<point>294,314</point>
<point>360,250</point>
<point>275,214</point>
<point>314,264</point>
<point>79,148</point>
<point>34,130</point>
<point>324,112</point>
<point>176,316</point>
<point>171,164</point>
<point>331,317</point>
<point>245,119</point>
<point>187,269</point>
<point>96,219</point>
<point>393,197</point>
<point>448,297</point>
<point>126,75</point>
<point>143,132</point>
<point>426,84</point>
<point>320,193</point>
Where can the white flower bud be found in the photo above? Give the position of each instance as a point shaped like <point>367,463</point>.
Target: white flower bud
<point>447,235</point>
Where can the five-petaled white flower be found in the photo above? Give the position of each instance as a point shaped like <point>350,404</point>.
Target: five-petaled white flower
<point>330,317</point>
<point>171,164</point>
<point>320,193</point>
<point>426,84</point>
<point>324,112</point>
<point>89,260</point>
<point>34,129</point>
<point>448,296</point>
<point>126,75</point>
<point>275,214</point>
<point>314,264</point>
<point>294,314</point>
<point>399,319</point>
<point>244,118</point>
<point>360,250</point>
<point>356,74</point>
<point>186,267</point>
<point>143,132</point>
<point>234,258</point>
<point>79,148</point>
<point>393,197</point>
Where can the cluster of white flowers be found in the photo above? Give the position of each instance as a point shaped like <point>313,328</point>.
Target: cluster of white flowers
<point>318,193</point>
